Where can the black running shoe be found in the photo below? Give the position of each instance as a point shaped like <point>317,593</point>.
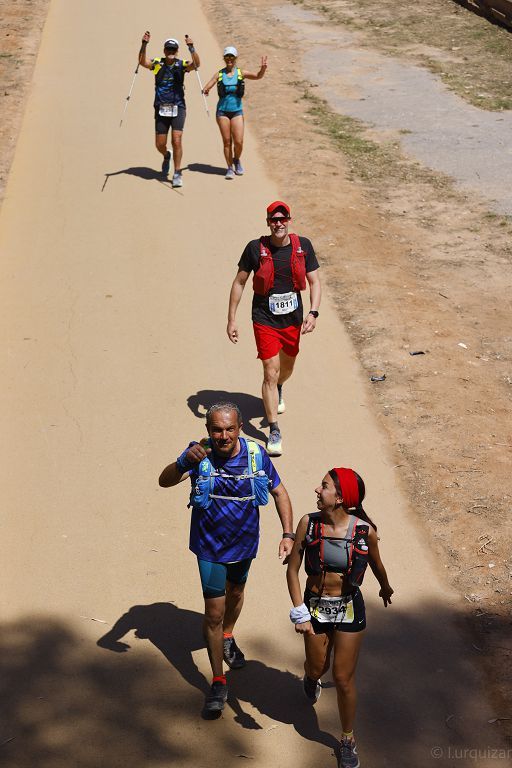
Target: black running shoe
<point>166,163</point>
<point>216,698</point>
<point>233,656</point>
<point>312,689</point>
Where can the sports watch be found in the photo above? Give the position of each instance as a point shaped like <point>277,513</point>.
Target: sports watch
<point>313,312</point>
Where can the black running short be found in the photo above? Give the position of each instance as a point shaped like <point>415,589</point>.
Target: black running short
<point>357,625</point>
<point>162,124</point>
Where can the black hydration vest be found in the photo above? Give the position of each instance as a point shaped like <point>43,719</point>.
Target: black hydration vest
<point>357,550</point>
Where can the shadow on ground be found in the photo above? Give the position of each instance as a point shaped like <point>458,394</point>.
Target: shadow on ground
<point>250,406</point>
<point>213,170</point>
<point>66,702</point>
<point>149,174</point>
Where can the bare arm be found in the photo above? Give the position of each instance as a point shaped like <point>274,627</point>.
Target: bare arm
<point>292,575</point>
<point>196,62</point>
<point>235,295</point>
<point>172,474</point>
<point>284,510</point>
<point>378,569</point>
<point>256,75</point>
<point>143,58</point>
<point>209,85</point>
<point>315,297</point>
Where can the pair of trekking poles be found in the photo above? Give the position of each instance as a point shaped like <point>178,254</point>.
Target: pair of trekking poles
<point>133,83</point>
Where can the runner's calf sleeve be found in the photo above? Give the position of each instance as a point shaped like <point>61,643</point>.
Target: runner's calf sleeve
<point>300,614</point>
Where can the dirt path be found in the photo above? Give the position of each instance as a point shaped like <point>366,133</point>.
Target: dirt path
<point>113,345</point>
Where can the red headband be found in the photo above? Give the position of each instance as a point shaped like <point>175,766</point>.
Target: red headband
<point>349,486</point>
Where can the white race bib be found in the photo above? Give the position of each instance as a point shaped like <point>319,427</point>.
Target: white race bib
<point>332,610</point>
<point>283,303</point>
<point>168,110</point>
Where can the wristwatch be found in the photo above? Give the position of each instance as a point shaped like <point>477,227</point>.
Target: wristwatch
<point>289,536</point>
<point>313,312</point>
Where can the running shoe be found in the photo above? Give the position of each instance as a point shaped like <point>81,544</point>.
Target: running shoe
<point>230,174</point>
<point>166,163</point>
<point>239,170</point>
<point>281,406</point>
<point>274,445</point>
<point>177,179</point>
<point>347,755</point>
<point>233,656</point>
<point>312,689</point>
<point>216,698</point>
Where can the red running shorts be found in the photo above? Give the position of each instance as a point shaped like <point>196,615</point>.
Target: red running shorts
<point>269,341</point>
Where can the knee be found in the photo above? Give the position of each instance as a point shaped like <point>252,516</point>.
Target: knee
<point>161,142</point>
<point>344,683</point>
<point>213,618</point>
<point>271,375</point>
<point>176,141</point>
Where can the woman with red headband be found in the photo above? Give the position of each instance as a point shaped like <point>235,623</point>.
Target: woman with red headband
<point>336,543</point>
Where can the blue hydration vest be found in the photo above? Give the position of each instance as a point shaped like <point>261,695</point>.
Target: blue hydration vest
<point>203,485</point>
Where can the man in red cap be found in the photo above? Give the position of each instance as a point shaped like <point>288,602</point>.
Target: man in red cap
<point>283,264</point>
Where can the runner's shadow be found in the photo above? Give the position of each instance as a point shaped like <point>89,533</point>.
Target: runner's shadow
<point>213,170</point>
<point>250,406</point>
<point>149,174</point>
<point>257,685</point>
<point>176,632</point>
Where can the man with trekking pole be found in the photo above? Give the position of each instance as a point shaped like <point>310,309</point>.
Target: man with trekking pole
<point>169,103</point>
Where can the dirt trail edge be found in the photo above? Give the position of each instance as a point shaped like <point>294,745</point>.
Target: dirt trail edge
<point>113,306</point>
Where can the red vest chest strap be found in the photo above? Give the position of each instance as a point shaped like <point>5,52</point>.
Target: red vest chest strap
<point>263,279</point>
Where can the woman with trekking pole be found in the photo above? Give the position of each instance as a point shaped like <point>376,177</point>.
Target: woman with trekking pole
<point>230,82</point>
<point>336,543</point>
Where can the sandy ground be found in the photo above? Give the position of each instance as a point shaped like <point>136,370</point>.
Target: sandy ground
<point>114,347</point>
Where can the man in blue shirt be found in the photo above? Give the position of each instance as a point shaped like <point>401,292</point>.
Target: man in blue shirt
<point>169,104</point>
<point>229,477</point>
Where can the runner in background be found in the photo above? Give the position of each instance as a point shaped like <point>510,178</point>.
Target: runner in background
<point>169,103</point>
<point>282,264</point>
<point>337,543</point>
<point>230,82</point>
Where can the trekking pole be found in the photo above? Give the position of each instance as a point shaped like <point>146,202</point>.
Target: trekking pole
<point>128,97</point>
<point>190,47</point>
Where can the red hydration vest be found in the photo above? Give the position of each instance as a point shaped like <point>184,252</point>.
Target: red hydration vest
<point>263,280</point>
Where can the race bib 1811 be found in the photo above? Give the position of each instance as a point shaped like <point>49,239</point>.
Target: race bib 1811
<point>283,303</point>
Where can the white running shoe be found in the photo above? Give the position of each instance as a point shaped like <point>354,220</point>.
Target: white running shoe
<point>274,444</point>
<point>239,170</point>
<point>230,174</point>
<point>177,179</point>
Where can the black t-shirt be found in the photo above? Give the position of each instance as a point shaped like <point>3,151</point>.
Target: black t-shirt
<point>283,283</point>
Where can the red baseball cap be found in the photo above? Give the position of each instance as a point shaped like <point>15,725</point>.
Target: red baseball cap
<point>275,206</point>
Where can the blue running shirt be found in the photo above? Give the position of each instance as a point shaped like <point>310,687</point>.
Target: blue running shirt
<point>229,530</point>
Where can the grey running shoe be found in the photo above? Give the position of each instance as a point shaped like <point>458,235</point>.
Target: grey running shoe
<point>312,689</point>
<point>274,444</point>
<point>166,163</point>
<point>216,698</point>
<point>233,656</point>
<point>347,756</point>
<point>239,170</point>
<point>281,406</point>
<point>230,174</point>
<point>177,179</point>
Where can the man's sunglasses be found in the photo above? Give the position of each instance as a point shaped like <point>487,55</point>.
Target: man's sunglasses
<point>276,219</point>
